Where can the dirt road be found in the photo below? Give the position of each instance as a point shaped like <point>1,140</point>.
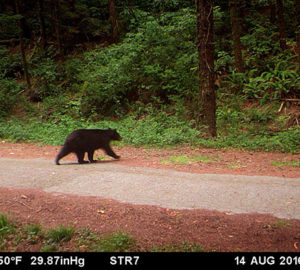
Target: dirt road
<point>166,188</point>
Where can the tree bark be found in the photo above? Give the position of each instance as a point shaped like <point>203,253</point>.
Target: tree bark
<point>22,46</point>
<point>281,24</point>
<point>42,24</point>
<point>206,53</point>
<point>272,12</point>
<point>57,24</point>
<point>236,34</point>
<point>113,19</point>
<point>297,15</point>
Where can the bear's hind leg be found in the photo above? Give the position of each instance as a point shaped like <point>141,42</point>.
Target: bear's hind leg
<point>62,153</point>
<point>80,157</point>
<point>91,156</point>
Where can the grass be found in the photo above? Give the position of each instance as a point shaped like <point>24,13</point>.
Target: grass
<point>5,226</point>
<point>6,230</point>
<point>277,225</point>
<point>236,165</point>
<point>182,247</point>
<point>116,242</point>
<point>61,234</point>
<point>181,160</point>
<point>188,160</point>
<point>33,233</point>
<point>87,240</point>
<point>292,163</point>
<point>282,224</point>
<point>32,237</point>
<point>101,157</point>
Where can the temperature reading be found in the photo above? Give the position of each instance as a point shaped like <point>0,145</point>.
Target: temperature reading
<point>8,260</point>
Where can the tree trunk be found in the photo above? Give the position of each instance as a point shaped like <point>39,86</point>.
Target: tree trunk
<point>57,24</point>
<point>297,15</point>
<point>113,19</point>
<point>42,24</point>
<point>206,53</point>
<point>22,46</point>
<point>272,12</point>
<point>236,33</point>
<point>242,10</point>
<point>281,24</point>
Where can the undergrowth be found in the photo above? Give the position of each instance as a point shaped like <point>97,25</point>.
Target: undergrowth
<point>246,129</point>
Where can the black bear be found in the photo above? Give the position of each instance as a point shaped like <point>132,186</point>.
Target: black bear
<point>88,140</point>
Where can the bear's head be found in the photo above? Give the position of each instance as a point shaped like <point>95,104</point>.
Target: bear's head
<point>114,135</point>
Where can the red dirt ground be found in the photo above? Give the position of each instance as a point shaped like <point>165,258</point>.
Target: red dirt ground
<point>222,161</point>
<point>154,226</point>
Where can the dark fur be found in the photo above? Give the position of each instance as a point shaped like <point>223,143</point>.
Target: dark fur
<point>88,140</point>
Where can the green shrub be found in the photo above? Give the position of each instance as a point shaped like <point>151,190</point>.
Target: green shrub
<point>61,234</point>
<point>9,95</point>
<point>149,65</point>
<point>270,72</point>
<point>116,242</point>
<point>5,226</point>
<point>8,25</point>
<point>48,75</point>
<point>275,83</point>
<point>56,107</point>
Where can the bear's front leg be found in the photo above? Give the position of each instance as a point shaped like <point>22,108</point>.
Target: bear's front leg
<point>110,152</point>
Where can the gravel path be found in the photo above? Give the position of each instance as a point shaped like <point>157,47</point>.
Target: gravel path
<point>165,188</point>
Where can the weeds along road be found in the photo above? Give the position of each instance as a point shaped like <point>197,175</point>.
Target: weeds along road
<point>166,188</point>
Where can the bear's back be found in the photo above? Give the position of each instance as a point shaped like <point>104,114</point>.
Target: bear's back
<point>86,138</point>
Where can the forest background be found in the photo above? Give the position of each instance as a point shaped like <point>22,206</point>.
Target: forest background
<point>133,65</point>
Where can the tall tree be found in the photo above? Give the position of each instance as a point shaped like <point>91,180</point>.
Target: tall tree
<point>42,23</point>
<point>272,11</point>
<point>281,24</point>
<point>57,25</point>
<point>236,34</point>
<point>113,19</point>
<point>206,53</point>
<point>297,15</point>
<point>22,45</point>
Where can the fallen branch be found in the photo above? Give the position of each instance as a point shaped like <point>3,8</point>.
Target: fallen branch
<point>24,204</point>
<point>9,41</point>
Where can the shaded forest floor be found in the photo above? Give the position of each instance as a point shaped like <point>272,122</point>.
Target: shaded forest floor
<point>152,226</point>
